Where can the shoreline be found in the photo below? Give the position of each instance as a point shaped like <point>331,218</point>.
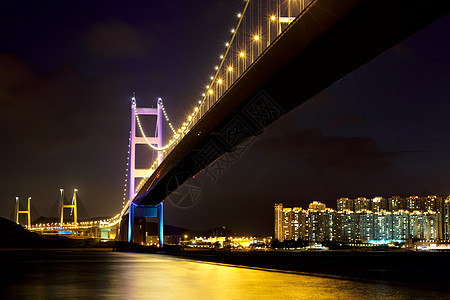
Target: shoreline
<point>424,270</point>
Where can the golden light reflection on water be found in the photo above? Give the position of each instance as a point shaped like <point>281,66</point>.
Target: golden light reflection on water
<point>175,278</point>
<point>150,276</point>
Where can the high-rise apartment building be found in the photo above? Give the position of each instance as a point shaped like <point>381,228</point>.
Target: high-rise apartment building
<point>315,205</point>
<point>396,203</point>
<point>319,223</point>
<point>279,221</point>
<point>365,225</point>
<point>400,225</point>
<point>361,203</point>
<point>433,203</point>
<point>304,225</point>
<point>330,225</point>
<point>414,203</point>
<point>287,221</point>
<point>346,226</point>
<point>345,203</point>
<point>378,204</point>
<point>296,222</point>
<point>432,226</point>
<point>446,218</point>
<point>383,225</point>
<point>416,225</point>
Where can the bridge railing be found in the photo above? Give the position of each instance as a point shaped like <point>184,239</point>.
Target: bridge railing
<point>106,223</point>
<point>258,25</point>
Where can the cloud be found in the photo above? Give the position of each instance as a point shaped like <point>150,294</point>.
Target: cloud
<point>339,120</point>
<point>115,40</point>
<point>403,51</point>
<point>326,154</point>
<point>12,71</point>
<point>47,111</point>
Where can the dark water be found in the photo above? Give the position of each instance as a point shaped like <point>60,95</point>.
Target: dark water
<point>99,275</point>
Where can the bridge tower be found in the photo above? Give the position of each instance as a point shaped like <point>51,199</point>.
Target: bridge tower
<point>136,140</point>
<point>73,206</point>
<point>26,212</point>
<point>134,211</point>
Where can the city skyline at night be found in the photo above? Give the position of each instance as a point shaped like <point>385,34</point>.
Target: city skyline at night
<point>232,149</point>
<point>380,129</point>
<point>363,220</point>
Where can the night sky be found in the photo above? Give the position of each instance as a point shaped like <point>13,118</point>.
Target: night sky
<point>68,69</point>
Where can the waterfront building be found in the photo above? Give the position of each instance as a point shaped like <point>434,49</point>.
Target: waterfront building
<point>366,229</point>
<point>400,225</point>
<point>330,224</point>
<point>316,205</point>
<point>432,203</point>
<point>432,227</point>
<point>279,221</point>
<point>414,203</point>
<point>416,225</point>
<point>296,214</point>
<point>319,223</point>
<point>303,225</point>
<point>361,203</point>
<point>345,230</point>
<point>338,231</point>
<point>396,203</point>
<point>356,225</point>
<point>446,218</point>
<point>383,225</point>
<point>287,228</point>
<point>344,203</point>
<point>378,204</point>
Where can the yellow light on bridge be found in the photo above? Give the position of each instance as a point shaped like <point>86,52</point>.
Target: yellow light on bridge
<point>211,92</point>
<point>219,81</point>
<point>256,37</point>
<point>230,69</point>
<point>273,18</point>
<point>242,54</point>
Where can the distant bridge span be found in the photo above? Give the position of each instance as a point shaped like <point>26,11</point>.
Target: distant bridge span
<point>329,40</point>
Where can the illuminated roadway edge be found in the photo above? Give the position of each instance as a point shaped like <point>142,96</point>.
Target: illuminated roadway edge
<point>329,40</point>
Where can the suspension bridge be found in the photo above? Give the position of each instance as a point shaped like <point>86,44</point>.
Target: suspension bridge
<point>279,55</point>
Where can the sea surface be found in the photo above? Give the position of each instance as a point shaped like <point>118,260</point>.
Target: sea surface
<point>71,274</point>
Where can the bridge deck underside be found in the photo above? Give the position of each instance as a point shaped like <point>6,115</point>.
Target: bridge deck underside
<point>324,44</point>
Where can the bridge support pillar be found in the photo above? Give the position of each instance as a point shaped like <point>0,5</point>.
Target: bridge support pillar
<point>139,229</point>
<point>137,222</point>
<point>130,222</point>
<point>26,212</point>
<point>161,224</point>
<point>72,206</point>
